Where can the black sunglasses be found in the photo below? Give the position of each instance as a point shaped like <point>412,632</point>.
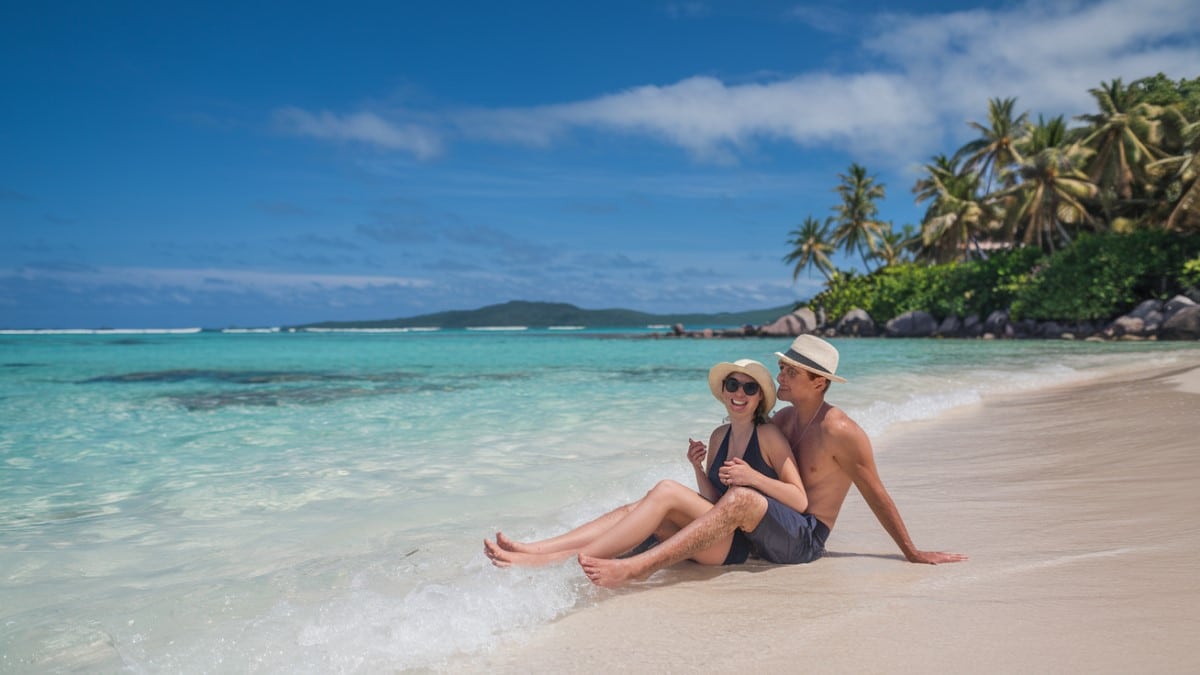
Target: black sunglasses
<point>751,388</point>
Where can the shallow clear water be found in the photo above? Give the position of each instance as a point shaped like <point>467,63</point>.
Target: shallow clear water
<point>317,502</point>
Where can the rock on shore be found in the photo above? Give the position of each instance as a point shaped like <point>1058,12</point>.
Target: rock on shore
<point>1152,319</point>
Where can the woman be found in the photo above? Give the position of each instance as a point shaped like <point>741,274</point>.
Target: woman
<point>747,451</point>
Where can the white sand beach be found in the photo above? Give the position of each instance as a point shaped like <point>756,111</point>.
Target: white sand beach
<point>1077,506</point>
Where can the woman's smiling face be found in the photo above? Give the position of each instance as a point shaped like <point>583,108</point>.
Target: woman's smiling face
<point>736,397</point>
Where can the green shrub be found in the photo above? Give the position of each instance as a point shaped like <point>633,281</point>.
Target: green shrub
<point>961,289</point>
<point>1190,276</point>
<point>1101,276</point>
<point>1098,277</point>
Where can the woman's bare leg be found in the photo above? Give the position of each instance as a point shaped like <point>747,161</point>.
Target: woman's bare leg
<point>667,505</point>
<point>505,552</point>
<point>573,540</point>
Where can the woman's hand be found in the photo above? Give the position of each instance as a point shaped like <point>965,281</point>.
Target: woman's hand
<point>696,452</point>
<point>737,472</point>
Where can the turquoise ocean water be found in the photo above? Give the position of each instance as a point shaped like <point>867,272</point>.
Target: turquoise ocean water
<point>316,502</point>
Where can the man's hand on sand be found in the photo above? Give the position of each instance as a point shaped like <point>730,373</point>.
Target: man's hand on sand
<point>935,557</point>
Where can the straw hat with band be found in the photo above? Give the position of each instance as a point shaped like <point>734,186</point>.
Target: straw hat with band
<point>814,355</point>
<point>757,371</point>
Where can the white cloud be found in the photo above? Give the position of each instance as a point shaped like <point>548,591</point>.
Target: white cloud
<point>1046,56</point>
<point>713,120</point>
<point>364,127</point>
<point>934,72</point>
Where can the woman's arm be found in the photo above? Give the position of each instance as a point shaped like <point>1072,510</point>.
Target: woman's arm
<point>788,488</point>
<point>700,457</point>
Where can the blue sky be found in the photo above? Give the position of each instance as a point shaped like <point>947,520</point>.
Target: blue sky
<point>171,164</point>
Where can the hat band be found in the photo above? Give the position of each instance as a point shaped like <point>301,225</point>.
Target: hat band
<point>805,361</point>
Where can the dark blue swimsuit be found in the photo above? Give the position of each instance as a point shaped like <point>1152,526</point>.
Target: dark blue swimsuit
<point>784,535</point>
<point>739,550</point>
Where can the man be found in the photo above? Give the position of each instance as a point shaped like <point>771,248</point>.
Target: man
<point>832,451</point>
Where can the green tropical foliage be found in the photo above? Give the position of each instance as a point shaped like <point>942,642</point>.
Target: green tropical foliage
<point>957,214</point>
<point>895,247</point>
<point>811,247</point>
<point>960,289</point>
<point>1177,173</point>
<point>1124,136</point>
<point>996,149</point>
<point>855,224</point>
<point>1050,220</point>
<point>1102,276</point>
<point>1191,272</point>
<point>1048,201</point>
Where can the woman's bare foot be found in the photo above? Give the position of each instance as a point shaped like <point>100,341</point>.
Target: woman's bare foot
<point>610,572</point>
<point>502,557</point>
<point>497,555</point>
<point>510,545</point>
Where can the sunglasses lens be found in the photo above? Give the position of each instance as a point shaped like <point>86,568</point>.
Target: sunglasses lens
<point>732,385</point>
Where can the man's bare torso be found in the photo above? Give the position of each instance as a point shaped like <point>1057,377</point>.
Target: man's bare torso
<point>824,480</point>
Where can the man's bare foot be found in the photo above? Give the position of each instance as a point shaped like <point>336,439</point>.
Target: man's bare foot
<point>501,557</point>
<point>609,572</point>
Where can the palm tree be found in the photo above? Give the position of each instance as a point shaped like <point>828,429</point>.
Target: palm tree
<point>1049,197</point>
<point>941,169</point>
<point>957,214</point>
<point>1124,136</point>
<point>1180,173</point>
<point>895,247</point>
<point>811,247</point>
<point>995,151</point>
<point>1047,133</point>
<point>856,228</point>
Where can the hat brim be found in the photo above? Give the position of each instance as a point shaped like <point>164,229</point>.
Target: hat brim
<point>792,359</point>
<point>753,369</point>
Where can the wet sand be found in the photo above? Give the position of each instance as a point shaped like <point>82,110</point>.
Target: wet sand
<point>1077,506</point>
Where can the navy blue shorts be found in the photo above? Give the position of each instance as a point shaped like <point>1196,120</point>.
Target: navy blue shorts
<point>787,536</point>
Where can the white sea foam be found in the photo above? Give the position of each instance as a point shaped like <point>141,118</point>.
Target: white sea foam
<point>358,330</point>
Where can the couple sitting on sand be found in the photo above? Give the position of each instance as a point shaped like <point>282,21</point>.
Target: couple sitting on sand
<point>773,487</point>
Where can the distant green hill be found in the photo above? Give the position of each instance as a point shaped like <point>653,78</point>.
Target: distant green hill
<point>546,314</point>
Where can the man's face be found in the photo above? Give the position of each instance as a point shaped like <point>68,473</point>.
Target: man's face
<point>788,375</point>
<point>791,379</point>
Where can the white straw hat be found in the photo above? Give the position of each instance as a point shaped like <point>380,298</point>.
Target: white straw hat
<point>814,355</point>
<point>756,370</point>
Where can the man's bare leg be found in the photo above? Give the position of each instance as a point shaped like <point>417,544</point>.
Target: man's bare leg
<point>739,508</point>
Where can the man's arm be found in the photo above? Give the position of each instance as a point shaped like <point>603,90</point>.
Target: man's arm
<point>855,456</point>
